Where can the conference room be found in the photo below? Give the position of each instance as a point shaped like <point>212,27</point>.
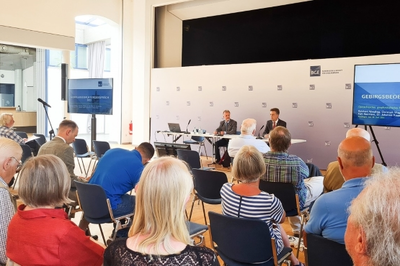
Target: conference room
<point>167,68</point>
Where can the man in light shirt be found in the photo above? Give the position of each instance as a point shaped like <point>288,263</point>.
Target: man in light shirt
<point>247,131</point>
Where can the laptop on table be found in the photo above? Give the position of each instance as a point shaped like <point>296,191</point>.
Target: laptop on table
<point>175,127</point>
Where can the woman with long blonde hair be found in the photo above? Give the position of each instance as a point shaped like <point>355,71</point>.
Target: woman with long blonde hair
<point>159,235</point>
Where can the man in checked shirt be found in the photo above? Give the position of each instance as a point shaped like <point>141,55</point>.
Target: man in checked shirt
<point>287,168</point>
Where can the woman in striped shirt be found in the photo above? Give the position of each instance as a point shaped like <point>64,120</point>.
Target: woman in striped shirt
<point>246,200</point>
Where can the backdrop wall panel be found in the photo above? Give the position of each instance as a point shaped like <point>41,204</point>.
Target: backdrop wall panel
<point>314,96</point>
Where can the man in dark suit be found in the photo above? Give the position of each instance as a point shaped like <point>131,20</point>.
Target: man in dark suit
<point>274,122</point>
<point>226,126</point>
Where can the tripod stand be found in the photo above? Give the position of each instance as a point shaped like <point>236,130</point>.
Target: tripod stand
<point>375,141</point>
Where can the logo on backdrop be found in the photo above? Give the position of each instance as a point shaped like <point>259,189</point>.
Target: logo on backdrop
<point>315,71</point>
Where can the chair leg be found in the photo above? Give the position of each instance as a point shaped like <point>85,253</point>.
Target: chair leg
<point>205,149</point>
<point>191,209</point>
<point>204,213</point>
<point>102,235</point>
<point>84,167</point>
<point>79,163</point>
<point>303,219</point>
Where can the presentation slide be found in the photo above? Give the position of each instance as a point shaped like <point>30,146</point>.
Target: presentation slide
<point>376,98</point>
<point>90,96</point>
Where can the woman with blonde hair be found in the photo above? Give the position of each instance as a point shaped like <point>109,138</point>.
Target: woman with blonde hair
<point>40,233</point>
<point>246,200</point>
<point>159,235</point>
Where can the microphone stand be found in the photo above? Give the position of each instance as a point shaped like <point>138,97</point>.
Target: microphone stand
<point>51,132</point>
<point>258,136</point>
<point>190,120</point>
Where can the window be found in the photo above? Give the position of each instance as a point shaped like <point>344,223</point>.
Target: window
<point>55,57</point>
<point>79,56</point>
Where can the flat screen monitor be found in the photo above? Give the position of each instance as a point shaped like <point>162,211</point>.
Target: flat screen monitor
<point>90,96</point>
<point>376,96</point>
<point>169,149</point>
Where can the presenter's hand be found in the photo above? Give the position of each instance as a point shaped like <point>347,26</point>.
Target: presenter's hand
<point>266,136</point>
<point>221,133</point>
<point>215,133</point>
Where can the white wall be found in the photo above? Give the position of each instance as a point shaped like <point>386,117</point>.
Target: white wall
<point>204,107</point>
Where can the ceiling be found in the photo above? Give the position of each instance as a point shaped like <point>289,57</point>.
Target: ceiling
<point>14,57</point>
<point>207,8</point>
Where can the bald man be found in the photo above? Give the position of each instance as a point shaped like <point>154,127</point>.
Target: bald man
<point>333,178</point>
<point>328,217</point>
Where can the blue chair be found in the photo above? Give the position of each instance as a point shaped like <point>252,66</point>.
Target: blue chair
<point>97,208</point>
<point>241,241</point>
<point>289,198</point>
<point>197,140</point>
<point>322,251</point>
<point>81,151</point>
<point>192,158</point>
<point>207,187</point>
<point>196,230</point>
<point>100,147</point>
<point>41,140</point>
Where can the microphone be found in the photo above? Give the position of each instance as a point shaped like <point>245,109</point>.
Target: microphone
<point>43,102</point>
<point>259,132</point>
<point>190,120</point>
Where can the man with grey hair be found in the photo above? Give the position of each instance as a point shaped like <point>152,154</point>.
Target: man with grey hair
<point>328,215</point>
<point>10,162</point>
<point>372,236</point>
<point>333,178</point>
<point>288,168</point>
<point>247,131</point>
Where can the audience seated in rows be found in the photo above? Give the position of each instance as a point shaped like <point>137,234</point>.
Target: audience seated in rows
<point>159,235</point>
<point>118,172</point>
<point>333,178</point>
<point>10,158</point>
<point>247,131</point>
<point>246,200</point>
<point>372,234</point>
<point>328,217</point>
<point>40,233</point>
<point>287,168</point>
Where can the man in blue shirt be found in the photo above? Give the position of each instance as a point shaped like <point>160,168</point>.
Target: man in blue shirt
<point>329,215</point>
<point>118,171</point>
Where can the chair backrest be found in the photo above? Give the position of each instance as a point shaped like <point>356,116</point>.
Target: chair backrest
<point>41,140</point>
<point>192,158</point>
<point>198,138</point>
<point>286,193</point>
<point>322,251</point>
<point>26,152</point>
<point>22,134</point>
<point>239,239</point>
<point>100,147</point>
<point>314,170</point>
<point>80,146</point>
<point>208,184</point>
<point>93,201</point>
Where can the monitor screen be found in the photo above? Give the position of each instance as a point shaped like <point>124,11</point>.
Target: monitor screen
<point>376,96</point>
<point>90,96</point>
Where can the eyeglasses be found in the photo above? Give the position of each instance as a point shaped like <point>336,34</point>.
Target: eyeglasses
<point>19,163</point>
